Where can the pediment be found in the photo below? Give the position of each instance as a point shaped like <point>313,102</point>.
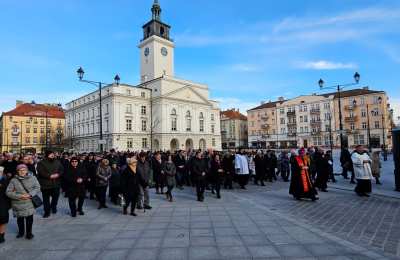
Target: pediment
<point>187,94</point>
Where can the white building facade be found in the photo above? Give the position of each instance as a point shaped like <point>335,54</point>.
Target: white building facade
<point>161,113</point>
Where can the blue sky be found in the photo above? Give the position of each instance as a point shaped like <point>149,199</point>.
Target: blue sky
<point>246,51</point>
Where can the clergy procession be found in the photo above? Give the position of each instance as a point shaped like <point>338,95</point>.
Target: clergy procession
<point>30,181</point>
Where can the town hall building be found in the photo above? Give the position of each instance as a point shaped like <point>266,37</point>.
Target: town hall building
<point>163,112</point>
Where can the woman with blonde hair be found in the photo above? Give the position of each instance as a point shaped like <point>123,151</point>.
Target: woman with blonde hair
<point>130,185</point>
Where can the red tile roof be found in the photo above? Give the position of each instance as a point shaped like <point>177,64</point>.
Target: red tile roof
<point>36,110</point>
<point>233,114</point>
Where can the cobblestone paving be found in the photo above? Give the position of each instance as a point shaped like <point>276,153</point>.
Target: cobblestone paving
<point>373,221</point>
<point>248,224</point>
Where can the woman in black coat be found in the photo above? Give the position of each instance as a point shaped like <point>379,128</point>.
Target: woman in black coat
<point>4,204</point>
<point>158,173</point>
<point>216,173</point>
<point>75,179</point>
<point>130,185</point>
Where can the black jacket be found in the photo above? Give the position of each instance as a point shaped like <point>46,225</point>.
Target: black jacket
<point>131,182</point>
<point>144,170</point>
<point>45,169</point>
<point>199,166</point>
<point>5,203</point>
<point>71,176</point>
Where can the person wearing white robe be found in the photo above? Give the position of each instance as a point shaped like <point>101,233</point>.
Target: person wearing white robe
<point>242,169</point>
<point>362,170</point>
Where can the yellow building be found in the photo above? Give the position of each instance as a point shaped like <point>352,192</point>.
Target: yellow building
<point>24,128</point>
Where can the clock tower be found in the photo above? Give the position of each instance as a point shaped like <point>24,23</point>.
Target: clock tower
<point>156,48</point>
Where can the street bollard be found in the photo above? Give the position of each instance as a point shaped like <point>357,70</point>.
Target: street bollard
<point>396,157</point>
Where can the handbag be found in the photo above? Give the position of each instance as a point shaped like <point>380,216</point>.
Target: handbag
<point>36,200</point>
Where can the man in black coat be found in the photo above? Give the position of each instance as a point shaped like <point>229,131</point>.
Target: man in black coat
<point>260,169</point>
<point>200,168</point>
<point>180,165</point>
<point>158,173</point>
<point>228,164</point>
<point>347,164</point>
<point>50,172</point>
<point>75,177</point>
<point>130,185</point>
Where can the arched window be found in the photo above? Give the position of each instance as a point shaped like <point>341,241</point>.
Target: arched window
<point>201,122</point>
<point>173,120</point>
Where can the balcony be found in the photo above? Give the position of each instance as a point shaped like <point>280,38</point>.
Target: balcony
<point>265,118</point>
<point>290,124</point>
<point>316,132</point>
<point>291,113</point>
<point>315,122</point>
<point>349,131</point>
<point>315,111</point>
<point>291,133</point>
<point>350,107</point>
<point>264,126</point>
<point>350,119</point>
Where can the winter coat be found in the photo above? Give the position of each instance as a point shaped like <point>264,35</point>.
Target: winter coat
<point>71,176</point>
<point>284,163</point>
<point>362,170</point>
<point>45,169</point>
<point>130,183</point>
<point>170,171</point>
<point>259,165</point>
<point>228,164</point>
<point>199,166</point>
<point>158,175</point>
<point>180,164</point>
<point>215,173</point>
<point>115,179</point>
<point>376,165</point>
<point>5,202</point>
<point>144,170</point>
<point>103,174</point>
<point>22,208</point>
<point>346,160</point>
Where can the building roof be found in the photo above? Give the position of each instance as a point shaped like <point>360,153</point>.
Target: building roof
<point>343,94</point>
<point>267,105</point>
<point>233,114</point>
<point>36,110</point>
<point>353,92</point>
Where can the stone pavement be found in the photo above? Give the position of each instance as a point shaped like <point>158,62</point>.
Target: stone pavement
<point>258,223</point>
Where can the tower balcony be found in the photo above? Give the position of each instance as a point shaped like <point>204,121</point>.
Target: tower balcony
<point>316,111</point>
<point>350,119</point>
<point>291,113</point>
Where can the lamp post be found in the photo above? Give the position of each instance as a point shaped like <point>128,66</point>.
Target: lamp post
<point>117,79</point>
<point>339,88</point>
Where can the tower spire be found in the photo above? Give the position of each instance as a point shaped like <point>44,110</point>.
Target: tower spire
<point>156,11</point>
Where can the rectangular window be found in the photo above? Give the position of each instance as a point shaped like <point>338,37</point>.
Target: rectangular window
<point>363,113</point>
<point>282,111</point>
<point>27,140</point>
<point>364,125</point>
<point>35,140</point>
<point>212,117</point>
<point>129,143</point>
<point>201,125</point>
<point>107,109</point>
<point>301,119</point>
<point>212,129</point>
<point>301,129</point>
<point>144,125</point>
<point>28,130</point>
<point>41,130</point>
<point>306,129</point>
<point>143,110</point>
<point>362,100</point>
<point>144,142</point>
<point>173,124</point>
<point>129,108</point>
<point>213,142</point>
<point>305,119</point>
<point>188,124</point>
<point>352,127</point>
<point>143,95</point>
<point>107,125</point>
<point>128,124</point>
<point>376,124</point>
<point>282,121</point>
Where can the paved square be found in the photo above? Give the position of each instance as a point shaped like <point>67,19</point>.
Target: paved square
<point>242,225</point>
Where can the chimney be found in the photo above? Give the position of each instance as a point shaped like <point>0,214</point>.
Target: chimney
<point>262,102</point>
<point>281,99</point>
<point>366,88</point>
<point>18,103</point>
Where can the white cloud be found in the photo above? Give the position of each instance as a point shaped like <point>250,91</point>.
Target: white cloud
<point>324,65</point>
<point>231,102</point>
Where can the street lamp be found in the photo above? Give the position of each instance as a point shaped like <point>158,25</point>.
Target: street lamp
<point>117,79</point>
<point>339,88</point>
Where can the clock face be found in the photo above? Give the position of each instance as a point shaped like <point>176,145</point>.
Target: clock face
<point>146,52</point>
<point>164,51</point>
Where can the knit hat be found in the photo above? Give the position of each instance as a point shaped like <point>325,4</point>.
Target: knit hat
<point>21,166</point>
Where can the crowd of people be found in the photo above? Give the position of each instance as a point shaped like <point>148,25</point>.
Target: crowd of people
<point>128,176</point>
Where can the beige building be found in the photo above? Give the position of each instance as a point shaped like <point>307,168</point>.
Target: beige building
<point>24,128</point>
<point>233,129</point>
<point>313,120</point>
